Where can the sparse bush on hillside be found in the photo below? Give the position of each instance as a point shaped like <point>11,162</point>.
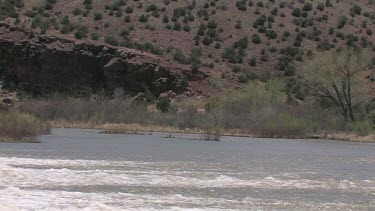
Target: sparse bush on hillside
<point>355,10</point>
<point>77,11</point>
<point>297,12</point>
<point>342,22</point>
<point>180,57</point>
<point>129,10</point>
<point>111,40</point>
<point>94,36</point>
<point>98,16</point>
<point>307,6</point>
<point>238,24</point>
<point>256,39</point>
<point>320,6</point>
<point>143,19</point>
<point>241,5</point>
<point>81,32</point>
<point>253,61</point>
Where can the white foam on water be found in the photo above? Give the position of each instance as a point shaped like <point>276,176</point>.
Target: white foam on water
<point>47,173</point>
<point>17,199</point>
<point>24,183</point>
<point>7,171</point>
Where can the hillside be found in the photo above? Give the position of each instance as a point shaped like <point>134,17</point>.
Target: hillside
<point>230,41</point>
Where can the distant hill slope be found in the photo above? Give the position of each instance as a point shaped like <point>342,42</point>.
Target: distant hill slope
<point>232,41</point>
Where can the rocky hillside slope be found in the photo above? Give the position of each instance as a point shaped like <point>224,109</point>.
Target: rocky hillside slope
<point>230,41</point>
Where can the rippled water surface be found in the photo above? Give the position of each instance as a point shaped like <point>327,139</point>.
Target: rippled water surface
<point>87,170</point>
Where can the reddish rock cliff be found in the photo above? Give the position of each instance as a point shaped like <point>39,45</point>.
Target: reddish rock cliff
<point>49,63</point>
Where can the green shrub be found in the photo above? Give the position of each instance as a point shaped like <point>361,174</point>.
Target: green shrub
<point>98,16</point>
<point>81,32</point>
<point>143,19</point>
<point>256,39</point>
<point>177,26</point>
<point>77,11</point>
<point>111,40</point>
<point>307,7</point>
<point>320,7</point>
<point>129,10</point>
<point>94,36</point>
<point>118,13</point>
<point>164,104</point>
<point>241,5</point>
<point>297,12</point>
<point>355,10</point>
<point>180,57</point>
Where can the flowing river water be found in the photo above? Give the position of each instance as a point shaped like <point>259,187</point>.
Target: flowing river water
<point>74,169</point>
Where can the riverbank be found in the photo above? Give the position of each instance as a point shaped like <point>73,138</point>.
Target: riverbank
<point>142,129</point>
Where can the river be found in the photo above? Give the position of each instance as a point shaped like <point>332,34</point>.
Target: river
<point>74,169</point>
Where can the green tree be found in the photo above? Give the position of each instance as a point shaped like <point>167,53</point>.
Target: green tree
<point>334,76</point>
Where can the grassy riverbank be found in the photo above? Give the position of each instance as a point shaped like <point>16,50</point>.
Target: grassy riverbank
<point>144,129</point>
<point>257,110</point>
<point>20,127</point>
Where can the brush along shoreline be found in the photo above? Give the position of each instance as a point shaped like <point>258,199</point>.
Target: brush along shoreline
<point>144,129</point>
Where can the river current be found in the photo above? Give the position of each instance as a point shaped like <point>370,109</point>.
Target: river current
<point>74,169</point>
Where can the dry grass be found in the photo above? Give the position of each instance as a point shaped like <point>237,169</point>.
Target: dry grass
<point>345,136</point>
<point>16,126</point>
<point>29,4</point>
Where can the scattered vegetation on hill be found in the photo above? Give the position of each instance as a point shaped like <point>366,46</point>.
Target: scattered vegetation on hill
<point>308,26</point>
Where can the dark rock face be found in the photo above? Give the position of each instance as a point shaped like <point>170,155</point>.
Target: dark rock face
<point>49,64</point>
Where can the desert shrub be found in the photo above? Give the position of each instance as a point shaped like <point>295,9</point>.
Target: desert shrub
<point>17,126</point>
<point>94,36</point>
<point>129,10</point>
<point>238,24</point>
<point>165,19</point>
<point>81,32</point>
<point>151,7</point>
<point>307,6</point>
<point>271,34</point>
<point>369,32</point>
<point>77,11</point>
<point>256,39</point>
<point>297,12</point>
<point>177,26</point>
<point>118,13</point>
<point>143,19</point>
<point>7,8</point>
<point>241,5</point>
<point>355,10</point>
<point>342,22</point>
<point>246,76</point>
<point>324,46</point>
<point>164,104</point>
<point>98,16</point>
<point>180,57</point>
<point>320,6</point>
<point>253,61</point>
<point>111,40</point>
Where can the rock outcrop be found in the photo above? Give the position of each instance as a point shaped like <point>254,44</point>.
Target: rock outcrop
<point>44,63</point>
